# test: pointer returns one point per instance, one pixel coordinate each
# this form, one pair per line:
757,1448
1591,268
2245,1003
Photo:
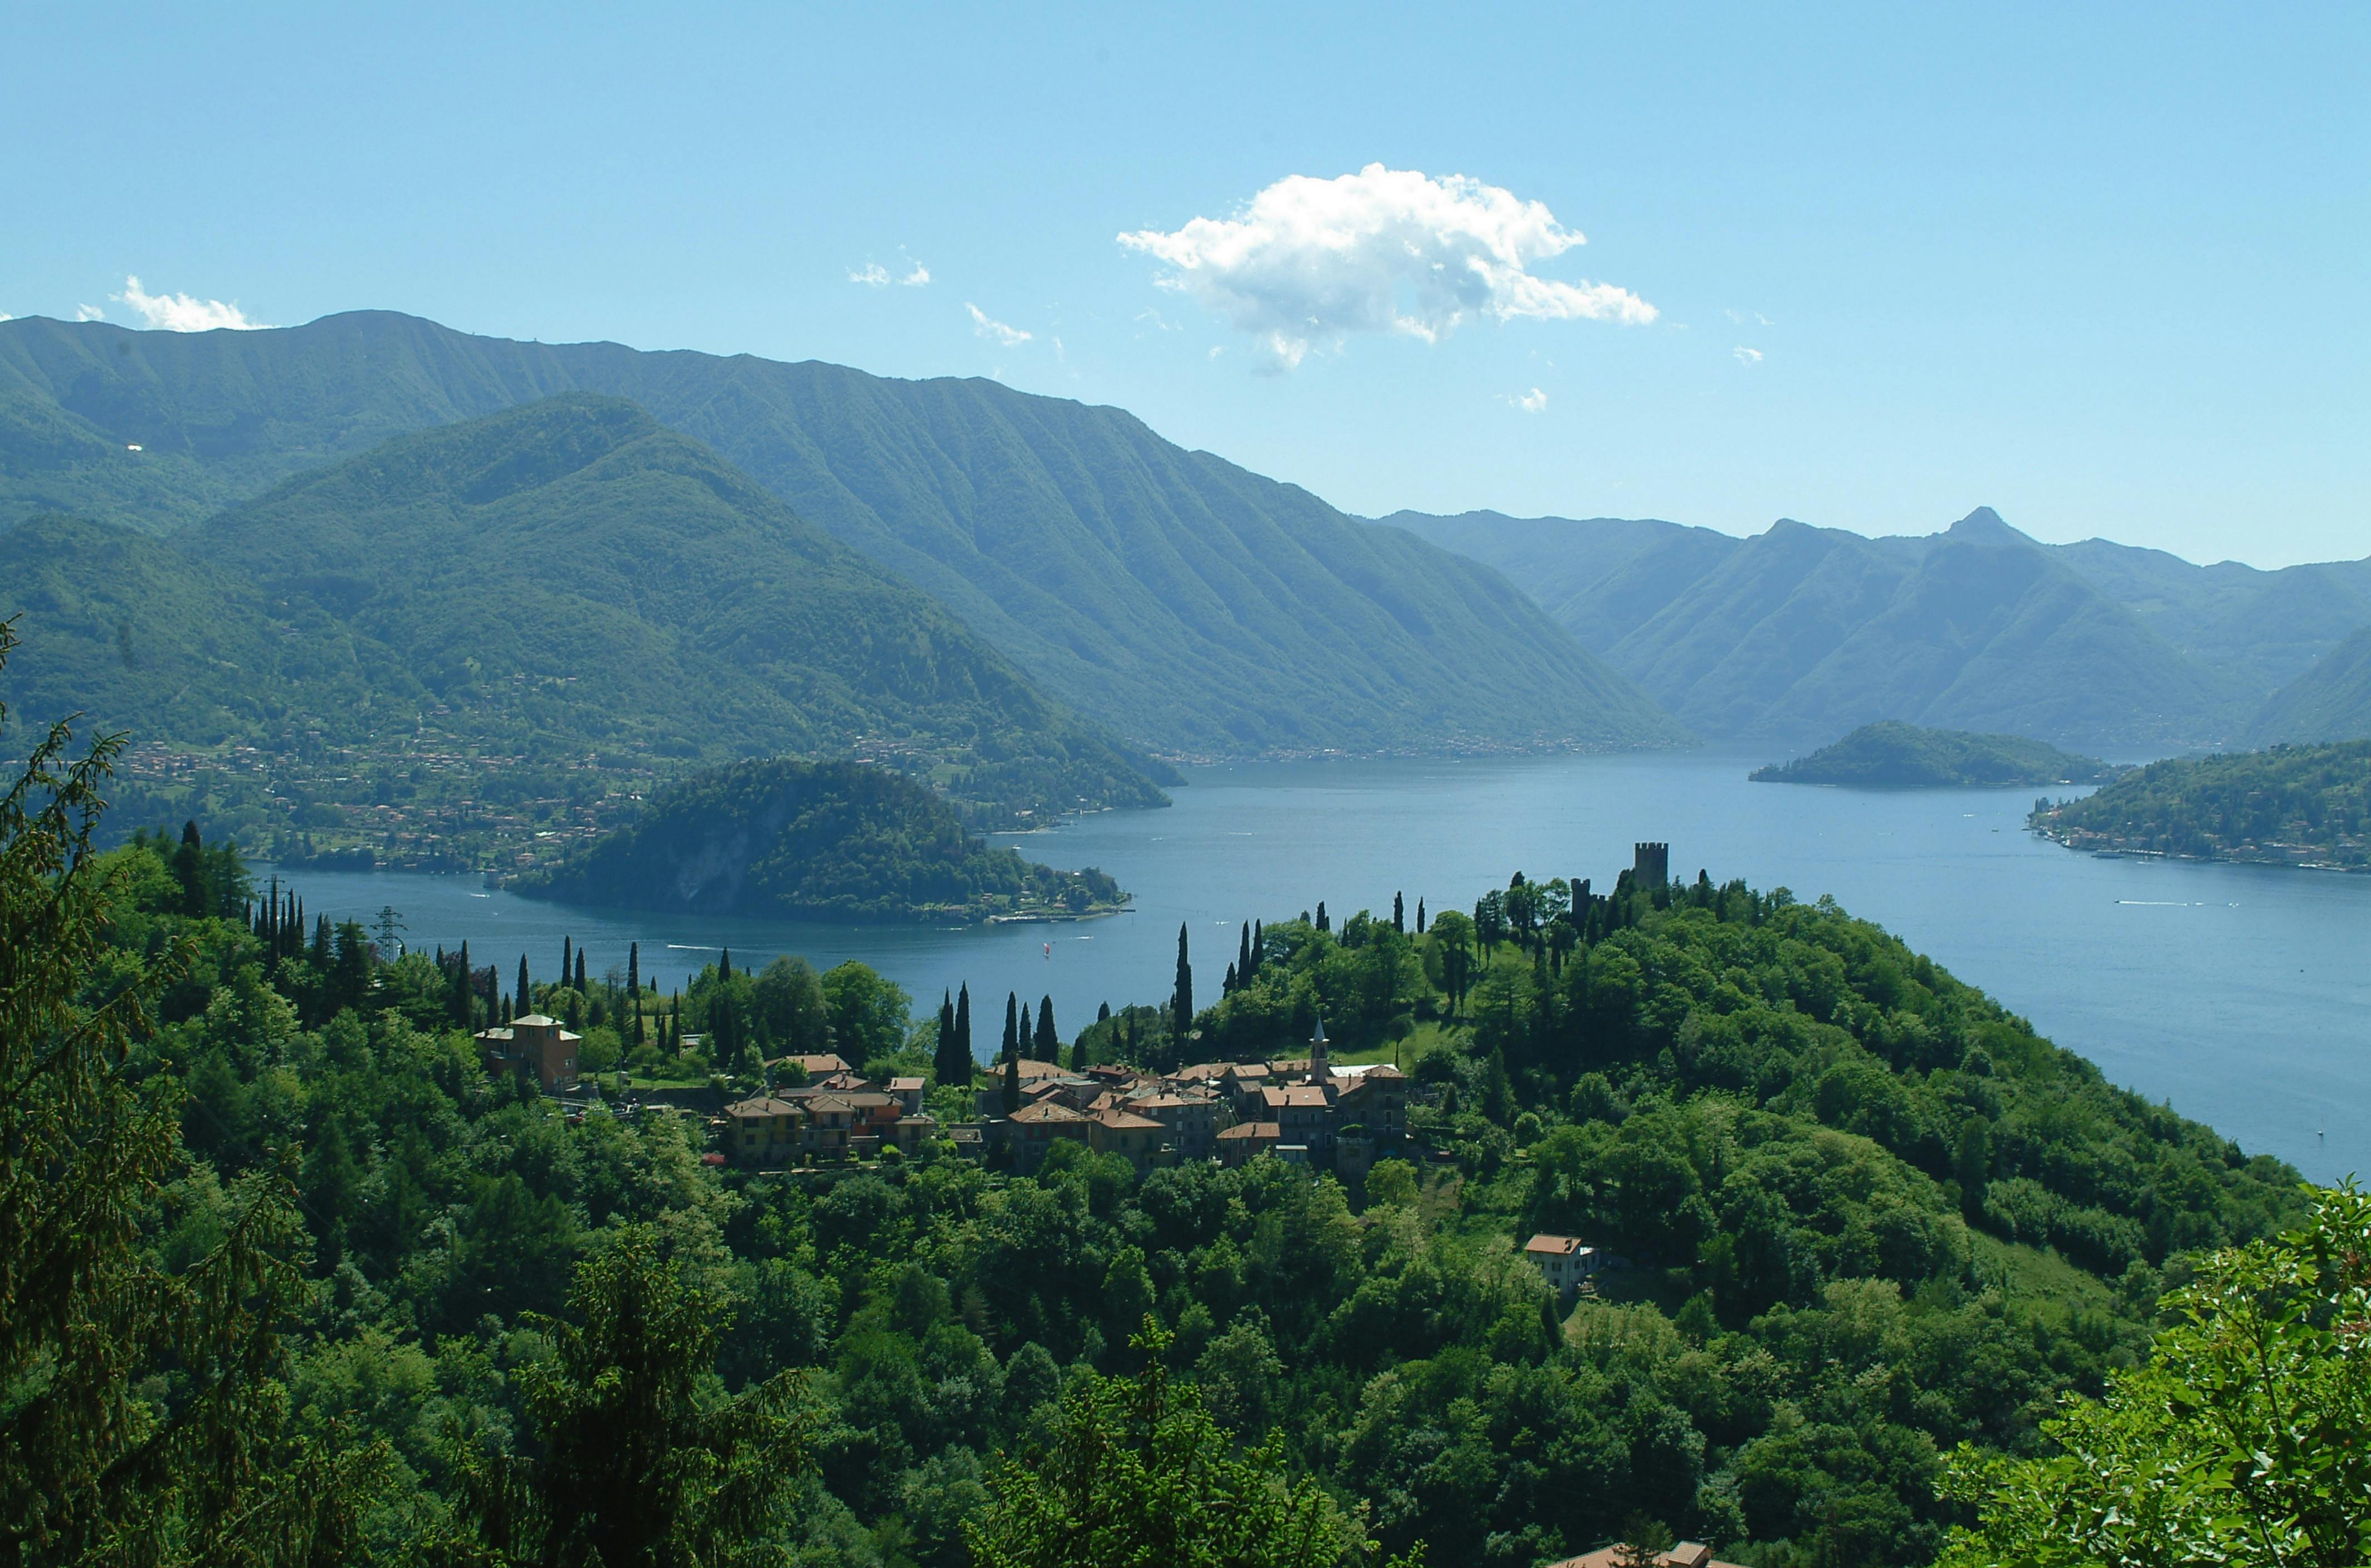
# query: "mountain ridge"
1194,607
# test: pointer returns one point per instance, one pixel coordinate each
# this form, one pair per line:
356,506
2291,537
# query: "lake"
2240,994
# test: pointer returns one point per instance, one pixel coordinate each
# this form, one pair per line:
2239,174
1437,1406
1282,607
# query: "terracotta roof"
1031,1068
1121,1120
899,1085
536,1021
1047,1111
1687,1554
765,1105
1253,1130
1554,1246
815,1064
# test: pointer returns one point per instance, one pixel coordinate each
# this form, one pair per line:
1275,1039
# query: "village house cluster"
836,1115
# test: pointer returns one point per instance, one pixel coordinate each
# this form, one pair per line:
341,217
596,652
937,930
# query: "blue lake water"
2240,994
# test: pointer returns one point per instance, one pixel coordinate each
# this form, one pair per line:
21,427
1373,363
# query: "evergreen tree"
1048,1045
95,1327
962,1028
1243,958
1259,946
319,955
1226,985
522,992
1399,914
1012,1046
1419,916
567,962
1181,1000
725,966
951,1064
1323,924
634,988
190,869
581,990
1103,1013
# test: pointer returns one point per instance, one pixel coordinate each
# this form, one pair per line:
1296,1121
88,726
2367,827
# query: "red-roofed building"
534,1045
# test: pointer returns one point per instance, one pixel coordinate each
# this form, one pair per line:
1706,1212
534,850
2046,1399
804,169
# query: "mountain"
2096,644
1196,608
567,581
1891,755
2284,806
2331,701
832,840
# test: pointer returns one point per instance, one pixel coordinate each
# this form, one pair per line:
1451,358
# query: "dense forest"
289,1278
1890,755
472,644
2288,805
836,840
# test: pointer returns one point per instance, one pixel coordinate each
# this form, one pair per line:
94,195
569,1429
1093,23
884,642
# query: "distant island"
2289,806
827,840
1890,755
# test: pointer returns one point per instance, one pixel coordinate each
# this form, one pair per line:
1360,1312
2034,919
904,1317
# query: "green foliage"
1190,605
1892,755
2242,1440
1140,1474
836,840
2287,805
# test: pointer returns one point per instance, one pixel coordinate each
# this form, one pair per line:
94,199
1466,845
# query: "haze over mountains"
1194,608
567,577
1800,634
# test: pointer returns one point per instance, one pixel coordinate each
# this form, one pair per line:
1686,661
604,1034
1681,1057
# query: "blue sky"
2102,267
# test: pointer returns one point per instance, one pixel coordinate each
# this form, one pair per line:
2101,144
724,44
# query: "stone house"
1139,1140
1031,1131
1245,1141
534,1045
764,1133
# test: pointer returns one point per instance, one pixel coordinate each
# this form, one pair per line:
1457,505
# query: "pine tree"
1181,1000
1399,914
1048,1045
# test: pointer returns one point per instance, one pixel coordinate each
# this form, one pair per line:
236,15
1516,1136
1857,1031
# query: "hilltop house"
534,1045
1563,1261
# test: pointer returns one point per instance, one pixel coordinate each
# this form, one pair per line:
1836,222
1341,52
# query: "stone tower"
1651,865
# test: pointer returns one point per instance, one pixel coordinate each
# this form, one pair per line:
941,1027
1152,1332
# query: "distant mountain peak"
1983,526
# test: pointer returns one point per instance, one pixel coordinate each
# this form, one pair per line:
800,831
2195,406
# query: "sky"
2102,267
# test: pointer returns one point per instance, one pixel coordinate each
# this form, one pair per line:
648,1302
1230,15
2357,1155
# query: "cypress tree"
1103,1014
943,1065
1181,1000
581,988
1419,917
1323,923
1399,914
1012,1046
1242,970
523,993
1259,946
725,966
567,960
962,1028
1048,1043
189,870
635,985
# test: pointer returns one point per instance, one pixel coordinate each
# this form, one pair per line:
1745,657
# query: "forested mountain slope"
2330,701
2305,805
1196,607
2095,644
568,580
1892,755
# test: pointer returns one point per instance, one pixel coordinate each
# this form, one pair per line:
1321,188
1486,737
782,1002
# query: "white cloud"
89,313
988,326
1533,402
1310,262
179,312
916,278
1747,356
872,275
